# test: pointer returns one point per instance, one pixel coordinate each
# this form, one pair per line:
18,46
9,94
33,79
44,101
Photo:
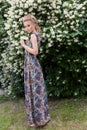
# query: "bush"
63,48
3,34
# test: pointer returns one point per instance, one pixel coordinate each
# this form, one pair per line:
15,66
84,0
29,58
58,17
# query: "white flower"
80,15
20,13
75,93
83,12
20,19
58,7
59,36
71,17
9,32
57,78
30,9
18,31
48,35
24,37
68,60
79,6
51,30
69,43
5,15
26,5
83,8
66,32
77,70
75,40
76,60
49,44
68,22
83,61
22,32
10,58
65,12
75,12
65,4
59,31
39,1
41,49
60,72
16,35
85,66
59,24
79,80
10,12
42,56
72,22
71,26
50,94
77,20
21,5
7,26
15,25
23,0
64,82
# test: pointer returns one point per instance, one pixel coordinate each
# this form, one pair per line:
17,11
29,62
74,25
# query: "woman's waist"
30,57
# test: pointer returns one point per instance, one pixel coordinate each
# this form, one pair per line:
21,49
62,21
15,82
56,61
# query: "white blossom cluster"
57,19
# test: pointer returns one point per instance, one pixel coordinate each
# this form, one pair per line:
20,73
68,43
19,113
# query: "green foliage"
65,65
63,48
3,34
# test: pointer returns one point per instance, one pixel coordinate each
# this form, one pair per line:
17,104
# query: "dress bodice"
28,55
28,43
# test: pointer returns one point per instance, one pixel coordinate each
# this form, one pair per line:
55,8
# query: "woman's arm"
34,49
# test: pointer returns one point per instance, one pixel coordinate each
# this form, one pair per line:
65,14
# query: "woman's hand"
22,42
34,49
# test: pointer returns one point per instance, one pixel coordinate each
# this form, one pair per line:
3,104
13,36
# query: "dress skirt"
35,92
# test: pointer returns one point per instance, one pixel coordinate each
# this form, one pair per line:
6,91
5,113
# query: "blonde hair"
31,18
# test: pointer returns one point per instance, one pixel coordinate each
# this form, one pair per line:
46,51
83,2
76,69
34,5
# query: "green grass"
66,114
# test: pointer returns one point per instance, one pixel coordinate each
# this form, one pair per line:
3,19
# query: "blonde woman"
34,84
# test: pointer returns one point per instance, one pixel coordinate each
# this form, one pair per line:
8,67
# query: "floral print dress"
35,89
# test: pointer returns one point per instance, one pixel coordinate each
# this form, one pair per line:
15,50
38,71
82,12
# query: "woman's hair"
31,18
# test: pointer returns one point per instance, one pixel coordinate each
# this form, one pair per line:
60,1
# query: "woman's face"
29,26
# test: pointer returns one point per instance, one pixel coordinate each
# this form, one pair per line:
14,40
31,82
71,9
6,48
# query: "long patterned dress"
35,91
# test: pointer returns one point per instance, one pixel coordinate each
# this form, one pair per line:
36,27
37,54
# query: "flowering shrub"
61,48
3,39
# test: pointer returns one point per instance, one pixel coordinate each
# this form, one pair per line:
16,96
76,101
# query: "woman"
34,84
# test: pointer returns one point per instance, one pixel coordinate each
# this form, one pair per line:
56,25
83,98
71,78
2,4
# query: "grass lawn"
66,114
